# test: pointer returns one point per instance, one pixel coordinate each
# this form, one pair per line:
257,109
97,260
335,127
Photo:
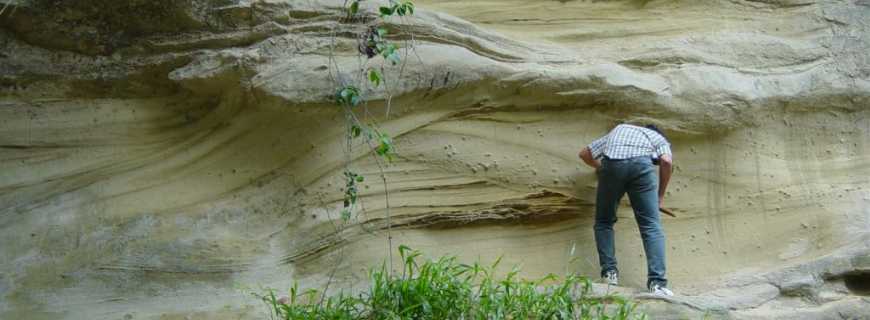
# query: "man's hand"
587,158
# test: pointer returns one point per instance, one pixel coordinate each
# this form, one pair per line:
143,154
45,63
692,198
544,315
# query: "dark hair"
657,130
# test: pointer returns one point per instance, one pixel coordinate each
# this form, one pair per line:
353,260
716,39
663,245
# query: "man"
628,154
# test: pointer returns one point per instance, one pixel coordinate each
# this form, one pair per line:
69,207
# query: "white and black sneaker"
660,290
611,277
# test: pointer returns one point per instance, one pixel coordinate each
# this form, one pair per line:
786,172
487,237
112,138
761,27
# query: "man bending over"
624,161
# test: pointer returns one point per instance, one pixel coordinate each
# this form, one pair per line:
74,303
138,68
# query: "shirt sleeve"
662,147
597,147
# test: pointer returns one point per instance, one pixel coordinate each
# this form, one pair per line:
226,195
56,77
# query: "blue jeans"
638,178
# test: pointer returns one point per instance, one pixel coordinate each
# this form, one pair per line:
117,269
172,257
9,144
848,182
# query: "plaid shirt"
628,141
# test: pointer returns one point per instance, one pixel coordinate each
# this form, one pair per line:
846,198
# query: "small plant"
385,146
348,96
400,8
352,9
351,95
372,42
445,289
350,193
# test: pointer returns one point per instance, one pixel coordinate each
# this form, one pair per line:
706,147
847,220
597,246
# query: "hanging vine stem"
372,42
369,141
332,66
6,5
349,96
403,9
402,68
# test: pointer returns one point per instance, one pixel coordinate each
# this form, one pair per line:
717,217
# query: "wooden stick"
668,212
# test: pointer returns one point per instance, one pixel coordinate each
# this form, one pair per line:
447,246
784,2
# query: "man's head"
657,130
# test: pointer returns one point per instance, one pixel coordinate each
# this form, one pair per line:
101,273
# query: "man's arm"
593,151
586,155
665,169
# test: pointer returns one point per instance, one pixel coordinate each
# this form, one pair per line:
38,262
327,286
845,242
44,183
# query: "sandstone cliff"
160,158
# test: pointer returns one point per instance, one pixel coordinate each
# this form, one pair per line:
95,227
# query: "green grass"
445,289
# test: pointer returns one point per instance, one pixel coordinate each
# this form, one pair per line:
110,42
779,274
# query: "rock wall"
162,159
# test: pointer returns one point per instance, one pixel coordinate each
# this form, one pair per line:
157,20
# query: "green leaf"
345,214
355,100
390,53
386,11
354,8
406,8
348,96
387,49
359,178
402,249
385,146
355,131
382,32
382,149
394,58
375,77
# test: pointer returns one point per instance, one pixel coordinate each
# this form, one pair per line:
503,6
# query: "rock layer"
161,160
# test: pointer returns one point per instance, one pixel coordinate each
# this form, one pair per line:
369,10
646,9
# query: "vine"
372,42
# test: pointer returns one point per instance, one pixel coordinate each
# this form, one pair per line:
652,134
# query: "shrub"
445,289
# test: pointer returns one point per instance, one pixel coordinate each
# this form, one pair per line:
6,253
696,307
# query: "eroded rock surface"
161,159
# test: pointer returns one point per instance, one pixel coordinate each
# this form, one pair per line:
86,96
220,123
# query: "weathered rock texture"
161,159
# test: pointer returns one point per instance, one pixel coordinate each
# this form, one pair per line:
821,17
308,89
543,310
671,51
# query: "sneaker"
661,291
611,277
